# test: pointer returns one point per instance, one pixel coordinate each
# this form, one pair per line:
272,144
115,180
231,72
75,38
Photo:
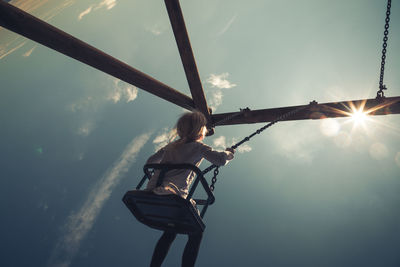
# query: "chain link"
214,179
382,87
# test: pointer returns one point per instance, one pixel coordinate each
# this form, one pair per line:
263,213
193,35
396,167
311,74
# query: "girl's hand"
230,150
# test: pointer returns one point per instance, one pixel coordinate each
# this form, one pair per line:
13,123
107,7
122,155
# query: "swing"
169,212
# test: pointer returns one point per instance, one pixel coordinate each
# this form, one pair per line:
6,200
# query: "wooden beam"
315,111
39,31
187,56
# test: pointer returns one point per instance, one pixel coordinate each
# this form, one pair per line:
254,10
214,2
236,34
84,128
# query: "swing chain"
282,117
214,179
247,138
382,87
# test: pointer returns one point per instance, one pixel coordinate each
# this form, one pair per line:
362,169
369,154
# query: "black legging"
189,254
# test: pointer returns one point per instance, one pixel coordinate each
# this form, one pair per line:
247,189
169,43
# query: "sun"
358,116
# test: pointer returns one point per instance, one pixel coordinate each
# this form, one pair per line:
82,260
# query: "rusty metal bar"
315,111
37,30
187,56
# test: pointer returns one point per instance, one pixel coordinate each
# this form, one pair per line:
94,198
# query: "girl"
191,129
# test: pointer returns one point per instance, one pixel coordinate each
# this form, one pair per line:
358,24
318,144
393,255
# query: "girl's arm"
216,157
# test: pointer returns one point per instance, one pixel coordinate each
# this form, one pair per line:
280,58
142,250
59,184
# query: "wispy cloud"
296,142
97,97
157,28
244,148
163,138
221,142
5,51
215,99
218,83
54,11
80,223
85,12
29,5
43,9
155,31
88,107
227,26
29,52
108,4
124,91
378,151
86,128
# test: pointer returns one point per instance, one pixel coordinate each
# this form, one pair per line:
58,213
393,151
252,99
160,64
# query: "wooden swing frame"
37,30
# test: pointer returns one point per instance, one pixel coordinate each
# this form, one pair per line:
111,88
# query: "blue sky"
305,193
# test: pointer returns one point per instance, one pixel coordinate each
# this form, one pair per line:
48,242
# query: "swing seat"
164,212
169,212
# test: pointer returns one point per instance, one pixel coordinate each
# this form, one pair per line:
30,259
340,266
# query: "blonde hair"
190,127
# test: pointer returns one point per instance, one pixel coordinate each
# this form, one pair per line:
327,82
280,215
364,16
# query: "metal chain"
382,87
282,117
247,138
214,179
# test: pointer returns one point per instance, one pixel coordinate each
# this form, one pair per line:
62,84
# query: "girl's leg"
191,250
161,249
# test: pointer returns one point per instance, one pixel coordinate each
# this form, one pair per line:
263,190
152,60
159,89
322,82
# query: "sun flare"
359,116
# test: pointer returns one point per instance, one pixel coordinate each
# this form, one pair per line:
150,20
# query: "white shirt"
179,181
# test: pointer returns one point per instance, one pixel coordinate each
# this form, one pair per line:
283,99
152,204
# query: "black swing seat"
164,212
169,212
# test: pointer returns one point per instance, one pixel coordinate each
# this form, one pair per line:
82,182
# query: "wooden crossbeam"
20,22
315,111
187,56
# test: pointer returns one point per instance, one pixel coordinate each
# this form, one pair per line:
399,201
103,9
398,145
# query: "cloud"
44,9
378,151
43,206
52,12
124,91
80,223
296,142
155,31
86,128
5,51
227,26
82,104
163,138
85,12
244,148
330,127
29,5
220,142
29,53
215,99
108,4
88,108
220,81
157,28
